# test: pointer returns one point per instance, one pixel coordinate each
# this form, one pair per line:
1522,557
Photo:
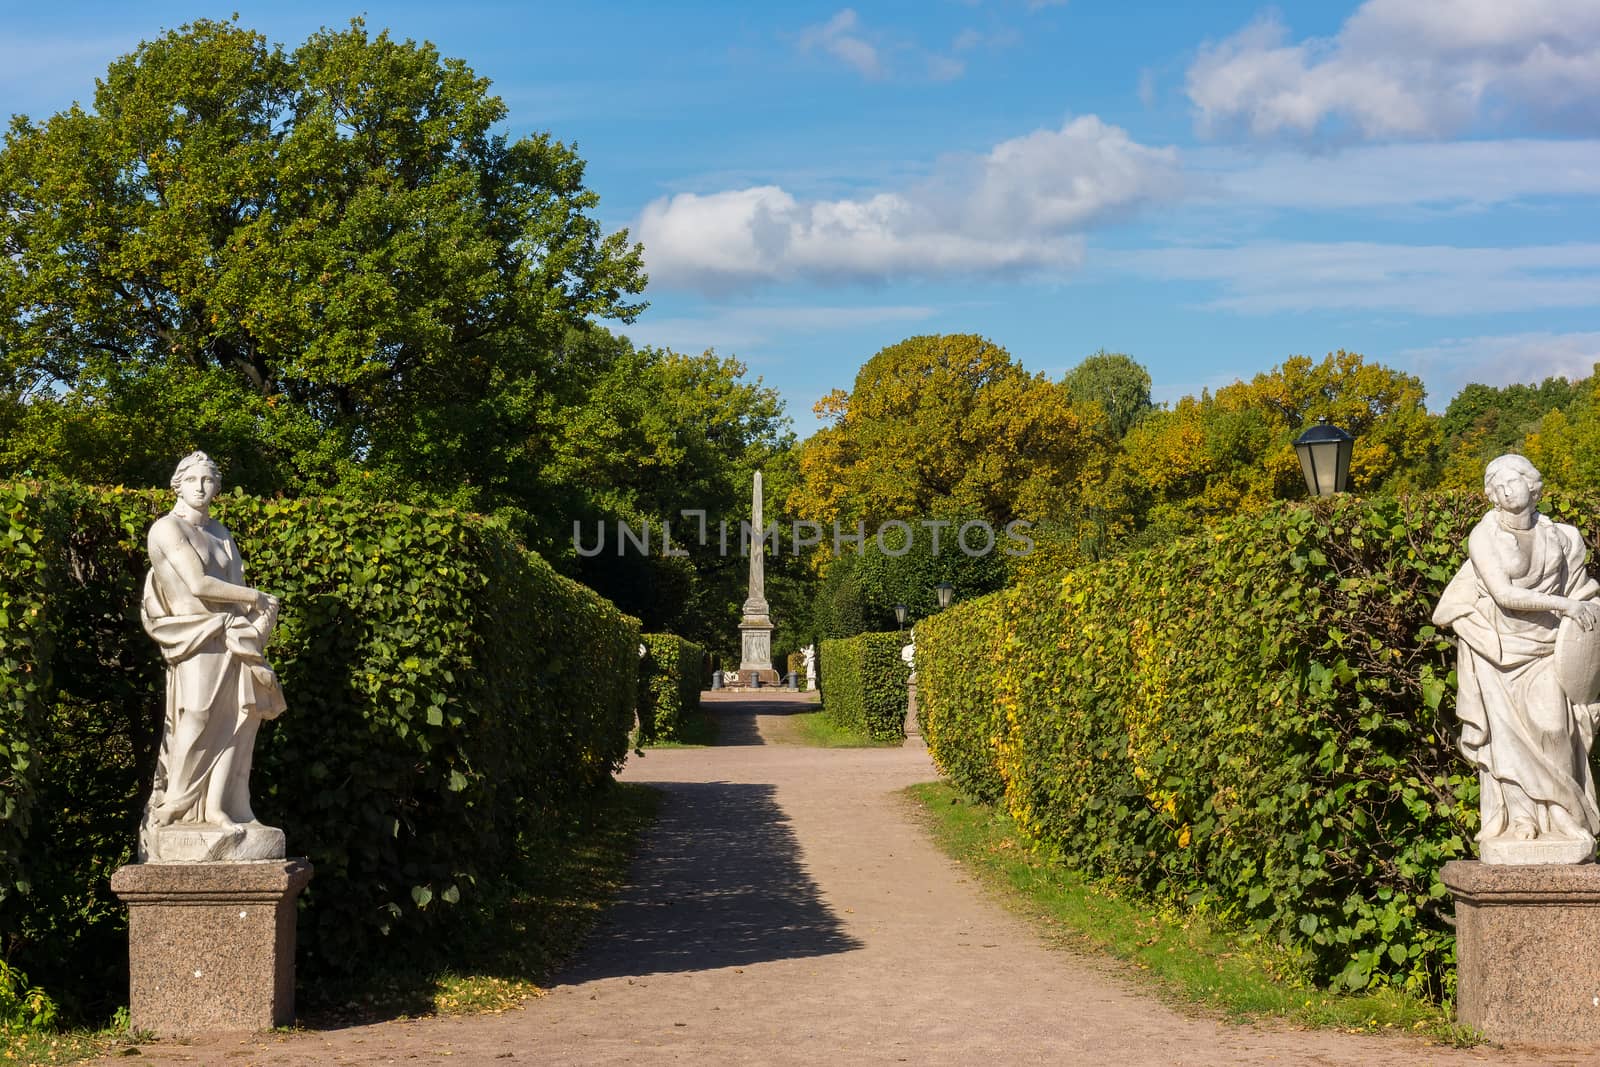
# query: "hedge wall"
669,685
446,691
1255,720
864,683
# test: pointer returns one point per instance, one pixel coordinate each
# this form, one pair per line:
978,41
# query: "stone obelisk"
755,630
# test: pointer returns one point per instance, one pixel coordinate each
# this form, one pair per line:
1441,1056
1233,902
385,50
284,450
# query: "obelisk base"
211,945
755,651
1527,949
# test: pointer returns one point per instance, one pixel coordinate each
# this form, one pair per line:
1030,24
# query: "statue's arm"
169,549
1492,570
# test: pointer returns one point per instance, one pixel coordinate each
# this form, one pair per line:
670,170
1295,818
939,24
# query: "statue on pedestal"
1524,613
212,630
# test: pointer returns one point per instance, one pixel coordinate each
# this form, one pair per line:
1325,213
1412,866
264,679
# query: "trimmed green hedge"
25,659
669,685
864,684
1256,720
447,691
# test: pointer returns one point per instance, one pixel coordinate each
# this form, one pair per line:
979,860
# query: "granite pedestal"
211,945
1527,949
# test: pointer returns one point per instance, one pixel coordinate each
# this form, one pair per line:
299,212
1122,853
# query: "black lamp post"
945,591
900,615
1325,458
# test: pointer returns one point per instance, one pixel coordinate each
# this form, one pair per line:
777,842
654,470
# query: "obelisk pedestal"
755,629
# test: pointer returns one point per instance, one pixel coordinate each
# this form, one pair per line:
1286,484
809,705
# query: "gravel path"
788,910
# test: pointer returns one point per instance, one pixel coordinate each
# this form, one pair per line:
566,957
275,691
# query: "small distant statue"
1523,610
810,655
212,629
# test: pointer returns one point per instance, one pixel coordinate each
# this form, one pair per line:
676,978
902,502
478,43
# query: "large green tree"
655,434
1117,383
325,264
947,424
1233,449
1484,421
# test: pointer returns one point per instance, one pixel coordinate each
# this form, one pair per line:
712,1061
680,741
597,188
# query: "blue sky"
1210,188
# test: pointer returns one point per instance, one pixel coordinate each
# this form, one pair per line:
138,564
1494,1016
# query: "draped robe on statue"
219,688
1529,743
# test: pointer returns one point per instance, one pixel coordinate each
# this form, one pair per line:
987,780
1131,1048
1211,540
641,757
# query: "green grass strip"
814,728
1192,959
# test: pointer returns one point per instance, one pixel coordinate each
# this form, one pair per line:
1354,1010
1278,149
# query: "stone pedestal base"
755,644
210,945
1509,850
204,843
913,727
1527,950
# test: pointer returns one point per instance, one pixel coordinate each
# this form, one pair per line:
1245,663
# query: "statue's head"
197,463
1504,470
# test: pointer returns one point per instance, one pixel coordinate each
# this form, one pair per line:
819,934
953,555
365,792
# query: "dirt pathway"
787,910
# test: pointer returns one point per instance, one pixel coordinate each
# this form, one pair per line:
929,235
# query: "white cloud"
996,40
876,56
945,68
1502,359
1020,207
1273,277
734,328
968,39
1147,87
1400,68
839,38
1470,174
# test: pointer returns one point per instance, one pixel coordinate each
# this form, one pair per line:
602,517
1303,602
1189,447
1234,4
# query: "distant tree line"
952,426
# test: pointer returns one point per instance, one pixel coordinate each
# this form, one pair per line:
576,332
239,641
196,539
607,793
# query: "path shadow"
736,719
718,883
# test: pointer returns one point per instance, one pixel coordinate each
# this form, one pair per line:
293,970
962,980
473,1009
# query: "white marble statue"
1526,724
212,629
810,654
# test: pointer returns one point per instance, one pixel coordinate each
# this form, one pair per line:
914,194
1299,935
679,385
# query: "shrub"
23,1007
447,691
1253,719
797,666
25,657
669,685
865,684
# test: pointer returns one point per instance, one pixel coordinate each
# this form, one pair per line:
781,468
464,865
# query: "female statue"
212,630
1527,736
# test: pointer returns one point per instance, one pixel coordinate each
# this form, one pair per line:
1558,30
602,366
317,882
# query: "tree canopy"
1219,453
946,423
328,268
330,249
1114,381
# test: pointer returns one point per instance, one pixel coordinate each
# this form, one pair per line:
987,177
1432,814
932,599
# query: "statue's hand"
1586,613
